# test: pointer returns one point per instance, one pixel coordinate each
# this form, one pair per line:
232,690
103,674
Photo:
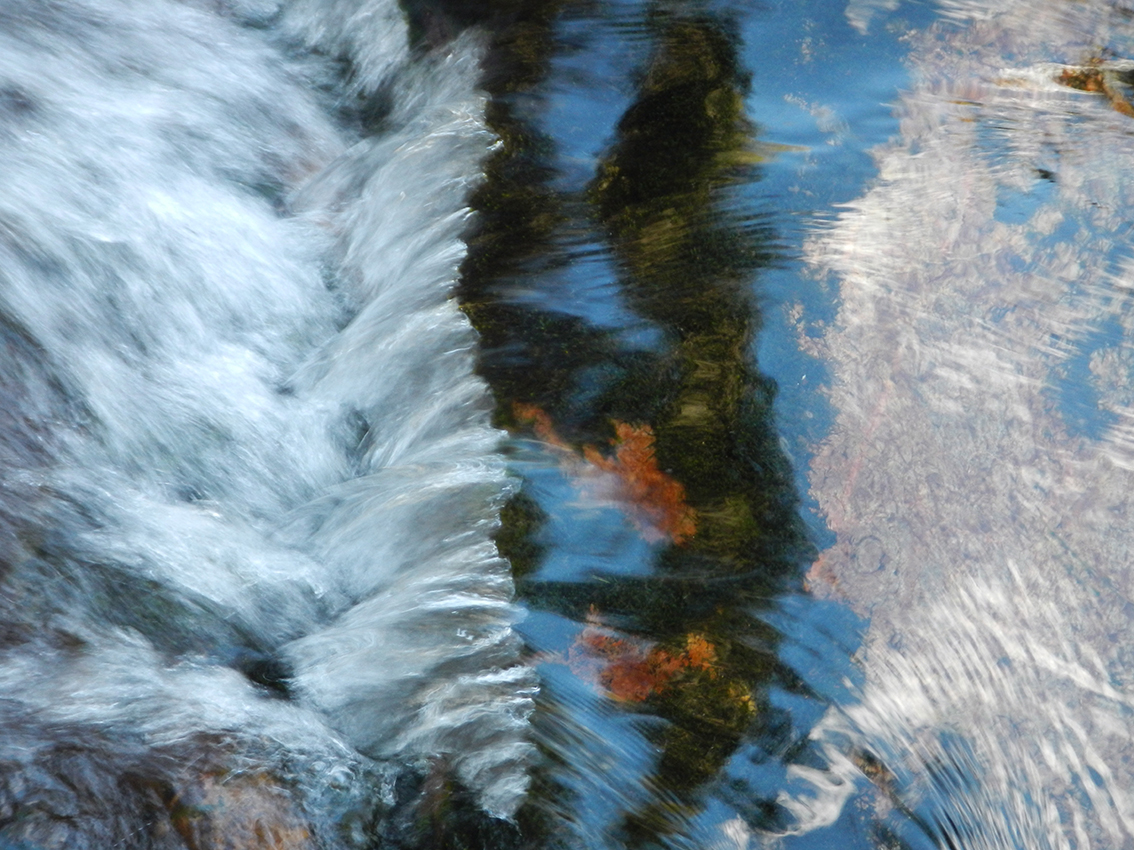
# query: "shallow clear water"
781,350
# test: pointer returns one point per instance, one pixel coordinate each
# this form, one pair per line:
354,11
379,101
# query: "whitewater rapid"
249,479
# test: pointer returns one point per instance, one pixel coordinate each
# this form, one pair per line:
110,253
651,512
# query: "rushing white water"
979,472
240,434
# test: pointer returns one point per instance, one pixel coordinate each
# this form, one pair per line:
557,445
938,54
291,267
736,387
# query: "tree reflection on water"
681,643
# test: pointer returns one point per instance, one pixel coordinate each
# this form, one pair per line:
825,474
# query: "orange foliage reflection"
632,669
656,499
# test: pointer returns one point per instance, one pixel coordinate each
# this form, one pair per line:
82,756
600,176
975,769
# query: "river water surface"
550,423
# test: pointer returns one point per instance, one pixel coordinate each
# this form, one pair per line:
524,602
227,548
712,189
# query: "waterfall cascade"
249,481
249,478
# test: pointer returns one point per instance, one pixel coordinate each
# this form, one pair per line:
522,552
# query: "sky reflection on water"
818,100
977,472
985,249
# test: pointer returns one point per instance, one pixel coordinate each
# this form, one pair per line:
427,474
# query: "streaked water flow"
249,473
565,424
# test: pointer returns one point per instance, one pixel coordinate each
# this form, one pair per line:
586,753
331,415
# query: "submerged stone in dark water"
266,670
433,810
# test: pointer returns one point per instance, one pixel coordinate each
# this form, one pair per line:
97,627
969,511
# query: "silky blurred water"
565,424
236,394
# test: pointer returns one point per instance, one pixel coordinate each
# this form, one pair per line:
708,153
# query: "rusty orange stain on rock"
238,812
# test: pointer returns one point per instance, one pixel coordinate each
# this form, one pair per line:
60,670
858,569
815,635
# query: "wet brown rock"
238,812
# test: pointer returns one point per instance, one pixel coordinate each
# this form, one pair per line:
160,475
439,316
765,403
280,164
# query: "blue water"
822,95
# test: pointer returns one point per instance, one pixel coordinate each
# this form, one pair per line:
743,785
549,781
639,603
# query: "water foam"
241,429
